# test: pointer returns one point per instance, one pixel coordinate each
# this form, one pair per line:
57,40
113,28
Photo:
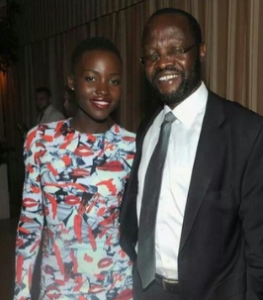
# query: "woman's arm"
30,224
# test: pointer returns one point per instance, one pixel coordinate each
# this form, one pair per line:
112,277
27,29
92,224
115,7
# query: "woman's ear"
71,82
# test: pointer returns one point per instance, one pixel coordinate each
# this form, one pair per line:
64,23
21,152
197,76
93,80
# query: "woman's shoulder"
123,139
44,132
124,133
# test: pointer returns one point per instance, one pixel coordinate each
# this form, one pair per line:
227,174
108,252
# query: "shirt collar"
48,109
191,107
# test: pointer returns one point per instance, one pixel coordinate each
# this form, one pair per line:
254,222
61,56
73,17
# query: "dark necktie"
151,192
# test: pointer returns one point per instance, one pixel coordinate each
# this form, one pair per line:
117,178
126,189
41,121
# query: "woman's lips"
102,104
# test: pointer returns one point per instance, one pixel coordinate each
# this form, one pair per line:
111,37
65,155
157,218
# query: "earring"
72,88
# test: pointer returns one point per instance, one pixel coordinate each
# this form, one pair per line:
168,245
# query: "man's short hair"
44,90
193,23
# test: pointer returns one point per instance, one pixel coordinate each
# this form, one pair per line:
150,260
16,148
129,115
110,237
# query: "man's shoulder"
53,109
150,116
234,111
52,114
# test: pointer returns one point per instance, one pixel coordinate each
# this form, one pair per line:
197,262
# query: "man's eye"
174,51
152,57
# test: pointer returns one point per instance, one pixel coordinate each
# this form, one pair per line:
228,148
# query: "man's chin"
171,98
177,96
168,94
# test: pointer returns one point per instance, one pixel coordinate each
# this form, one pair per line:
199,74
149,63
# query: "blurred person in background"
47,112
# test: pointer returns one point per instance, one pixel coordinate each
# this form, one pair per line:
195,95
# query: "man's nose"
164,61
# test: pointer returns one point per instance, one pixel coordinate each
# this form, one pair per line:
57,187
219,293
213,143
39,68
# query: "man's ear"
71,82
202,51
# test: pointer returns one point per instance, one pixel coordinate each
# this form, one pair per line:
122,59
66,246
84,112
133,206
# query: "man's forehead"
165,21
171,26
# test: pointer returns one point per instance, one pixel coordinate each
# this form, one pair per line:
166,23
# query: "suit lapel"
211,143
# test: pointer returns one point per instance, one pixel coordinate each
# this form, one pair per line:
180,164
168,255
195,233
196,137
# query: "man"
47,112
202,239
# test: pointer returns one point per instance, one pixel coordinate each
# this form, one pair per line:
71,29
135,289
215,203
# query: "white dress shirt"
177,174
50,114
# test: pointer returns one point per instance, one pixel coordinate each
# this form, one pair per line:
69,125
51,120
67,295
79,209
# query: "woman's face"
97,83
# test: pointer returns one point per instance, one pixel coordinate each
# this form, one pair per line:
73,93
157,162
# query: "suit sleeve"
251,214
30,224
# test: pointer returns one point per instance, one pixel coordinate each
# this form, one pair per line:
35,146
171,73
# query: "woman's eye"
115,81
89,78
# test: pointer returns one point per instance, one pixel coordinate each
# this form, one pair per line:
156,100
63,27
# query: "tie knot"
169,117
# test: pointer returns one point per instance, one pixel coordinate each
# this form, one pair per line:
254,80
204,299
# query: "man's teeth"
167,77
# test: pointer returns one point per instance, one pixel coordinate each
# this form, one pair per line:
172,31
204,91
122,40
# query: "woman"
76,171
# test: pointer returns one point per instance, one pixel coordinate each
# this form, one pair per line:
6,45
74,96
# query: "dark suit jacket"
221,247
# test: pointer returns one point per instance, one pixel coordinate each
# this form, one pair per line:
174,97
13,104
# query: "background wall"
49,31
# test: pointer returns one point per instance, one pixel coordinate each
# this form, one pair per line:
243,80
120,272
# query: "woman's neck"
86,125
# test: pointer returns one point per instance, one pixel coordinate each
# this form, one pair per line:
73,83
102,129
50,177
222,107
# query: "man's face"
42,101
173,74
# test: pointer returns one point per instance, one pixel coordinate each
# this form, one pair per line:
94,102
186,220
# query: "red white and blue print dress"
74,182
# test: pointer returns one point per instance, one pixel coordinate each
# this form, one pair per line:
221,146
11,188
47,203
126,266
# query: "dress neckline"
72,129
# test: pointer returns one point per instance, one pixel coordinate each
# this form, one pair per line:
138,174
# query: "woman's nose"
102,89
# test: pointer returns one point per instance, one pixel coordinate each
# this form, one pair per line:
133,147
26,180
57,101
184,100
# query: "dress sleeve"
31,220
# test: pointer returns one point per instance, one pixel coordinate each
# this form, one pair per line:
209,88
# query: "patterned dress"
74,185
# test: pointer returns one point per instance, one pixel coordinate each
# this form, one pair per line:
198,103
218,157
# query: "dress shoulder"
123,132
44,133
123,136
